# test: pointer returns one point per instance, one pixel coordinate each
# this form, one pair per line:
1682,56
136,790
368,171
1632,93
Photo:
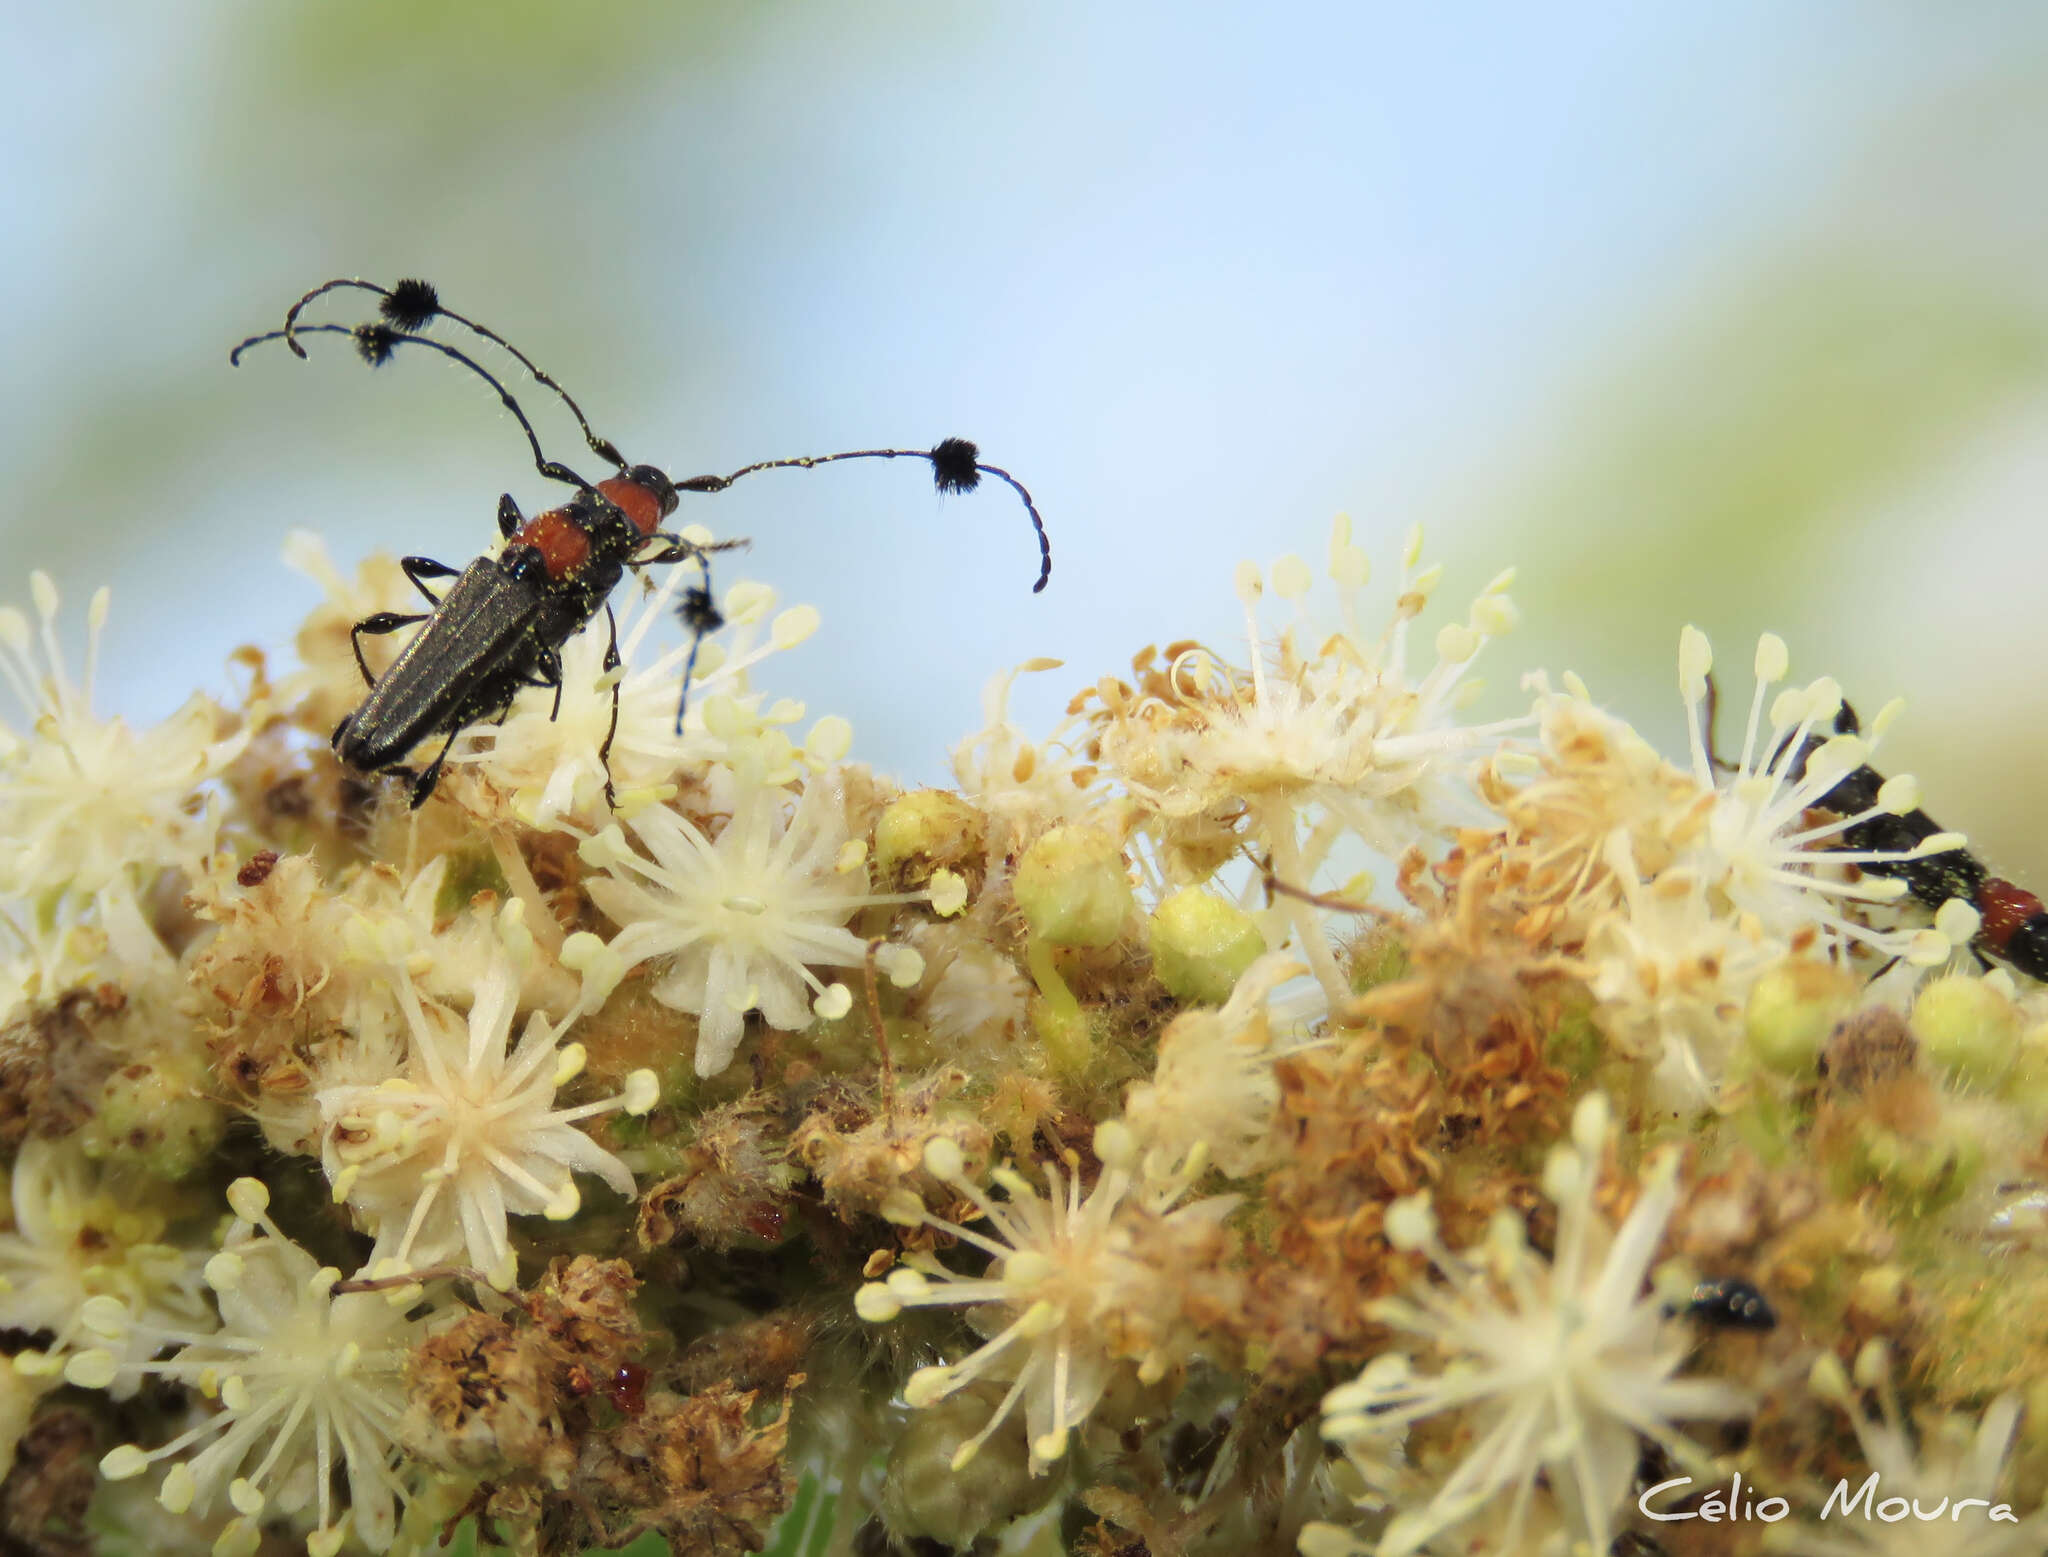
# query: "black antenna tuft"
956,465
698,612
375,343
411,305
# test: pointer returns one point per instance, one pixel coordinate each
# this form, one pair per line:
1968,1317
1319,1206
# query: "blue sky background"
1717,313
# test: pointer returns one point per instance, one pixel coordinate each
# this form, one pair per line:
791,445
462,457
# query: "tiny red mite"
627,1388
258,870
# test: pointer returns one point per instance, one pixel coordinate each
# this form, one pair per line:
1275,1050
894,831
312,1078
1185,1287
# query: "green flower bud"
2026,1084
1072,887
1792,1009
1880,1296
1921,1176
932,1492
157,1120
1063,1033
1968,1028
924,830
1200,944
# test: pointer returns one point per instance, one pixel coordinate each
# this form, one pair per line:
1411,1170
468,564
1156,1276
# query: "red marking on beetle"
563,544
634,501
2005,908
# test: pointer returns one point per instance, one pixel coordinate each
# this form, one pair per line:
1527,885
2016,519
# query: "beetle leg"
550,662
420,569
382,622
676,549
611,663
423,786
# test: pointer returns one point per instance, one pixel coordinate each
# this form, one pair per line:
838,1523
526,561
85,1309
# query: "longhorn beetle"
501,626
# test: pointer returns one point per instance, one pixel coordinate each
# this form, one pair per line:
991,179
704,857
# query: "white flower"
88,806
1075,1291
1328,735
1591,786
741,919
1213,1093
977,1000
1946,1461
437,1157
41,961
1028,789
302,1378
74,1240
1752,846
18,1396
1559,1363
1332,719
1671,970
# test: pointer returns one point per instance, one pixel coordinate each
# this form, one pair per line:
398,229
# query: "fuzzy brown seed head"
707,1472
734,1182
44,1497
863,1157
53,1060
484,1399
1869,1049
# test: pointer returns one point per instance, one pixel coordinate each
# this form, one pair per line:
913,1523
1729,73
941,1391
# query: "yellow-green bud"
157,1120
923,830
1792,1009
931,1492
2034,1420
2027,1082
1879,1295
1921,1174
1967,1027
1200,944
1072,887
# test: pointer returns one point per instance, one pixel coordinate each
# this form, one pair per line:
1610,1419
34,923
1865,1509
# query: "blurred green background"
1732,314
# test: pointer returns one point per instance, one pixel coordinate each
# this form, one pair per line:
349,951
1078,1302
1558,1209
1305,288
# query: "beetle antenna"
698,611
410,307
956,464
376,342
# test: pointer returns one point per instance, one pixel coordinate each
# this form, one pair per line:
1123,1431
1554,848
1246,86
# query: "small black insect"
1730,1305
501,625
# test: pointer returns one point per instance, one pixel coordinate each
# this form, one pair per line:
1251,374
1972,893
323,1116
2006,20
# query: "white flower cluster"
437,1016
1558,1364
1683,887
374,1020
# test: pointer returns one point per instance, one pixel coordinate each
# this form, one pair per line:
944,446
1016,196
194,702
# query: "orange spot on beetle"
563,544
2005,908
634,501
